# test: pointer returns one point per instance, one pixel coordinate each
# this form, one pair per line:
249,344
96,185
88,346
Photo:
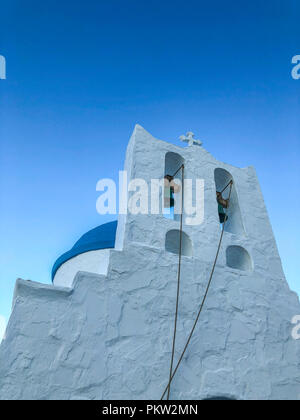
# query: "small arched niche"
173,243
234,222
238,258
173,163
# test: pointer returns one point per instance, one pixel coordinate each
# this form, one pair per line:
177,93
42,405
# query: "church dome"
101,237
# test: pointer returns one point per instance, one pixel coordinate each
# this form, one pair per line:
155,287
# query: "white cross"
189,138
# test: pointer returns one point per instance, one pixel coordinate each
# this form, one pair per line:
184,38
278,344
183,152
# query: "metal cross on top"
189,138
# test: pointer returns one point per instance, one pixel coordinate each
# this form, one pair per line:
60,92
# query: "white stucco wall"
92,261
110,336
2,327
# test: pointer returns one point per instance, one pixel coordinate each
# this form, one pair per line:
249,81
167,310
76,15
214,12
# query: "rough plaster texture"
109,337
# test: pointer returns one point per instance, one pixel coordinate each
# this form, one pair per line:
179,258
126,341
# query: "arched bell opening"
232,213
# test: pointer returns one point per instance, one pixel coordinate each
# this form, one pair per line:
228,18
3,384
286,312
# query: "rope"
203,300
181,167
178,279
226,186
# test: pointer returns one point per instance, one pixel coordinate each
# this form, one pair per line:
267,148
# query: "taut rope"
202,303
178,279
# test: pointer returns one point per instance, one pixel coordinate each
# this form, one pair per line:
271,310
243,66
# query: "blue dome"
101,237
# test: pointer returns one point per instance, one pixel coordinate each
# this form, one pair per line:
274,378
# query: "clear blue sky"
80,74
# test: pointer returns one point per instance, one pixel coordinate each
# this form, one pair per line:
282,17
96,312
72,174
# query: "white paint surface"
2,327
92,261
110,336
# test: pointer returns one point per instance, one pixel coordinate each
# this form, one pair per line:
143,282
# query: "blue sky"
80,75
